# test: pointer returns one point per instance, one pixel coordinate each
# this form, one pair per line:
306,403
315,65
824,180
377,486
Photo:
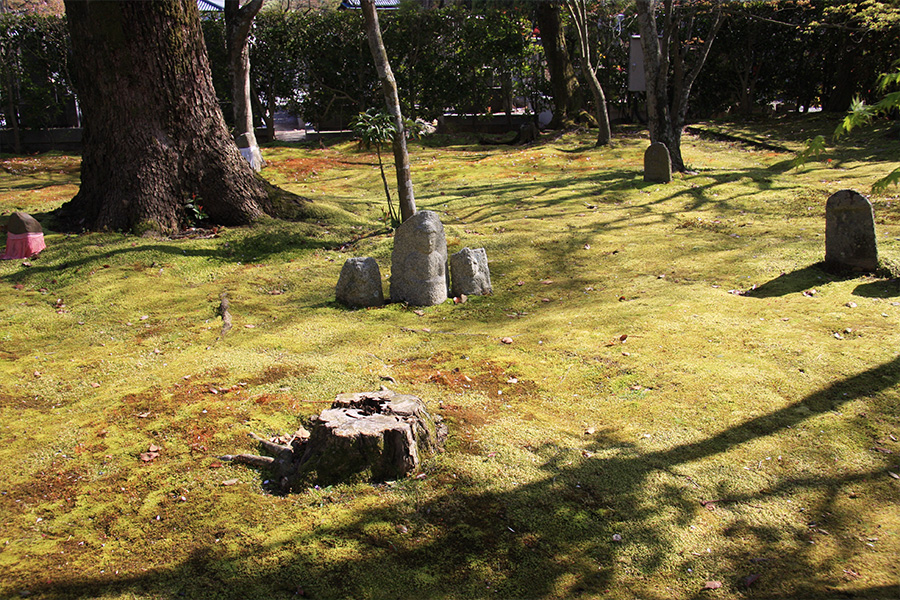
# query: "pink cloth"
23,245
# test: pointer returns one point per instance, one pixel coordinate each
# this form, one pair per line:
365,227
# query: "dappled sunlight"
664,397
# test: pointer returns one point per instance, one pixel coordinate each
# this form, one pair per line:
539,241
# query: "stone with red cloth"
24,236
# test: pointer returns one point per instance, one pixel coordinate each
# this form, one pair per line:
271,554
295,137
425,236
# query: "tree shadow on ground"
576,532
796,281
254,247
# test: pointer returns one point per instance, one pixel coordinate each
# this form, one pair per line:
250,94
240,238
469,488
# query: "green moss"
560,441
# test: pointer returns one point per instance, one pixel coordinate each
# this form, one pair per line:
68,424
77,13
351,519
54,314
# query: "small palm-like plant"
375,128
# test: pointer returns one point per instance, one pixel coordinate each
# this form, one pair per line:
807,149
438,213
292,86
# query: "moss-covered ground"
690,407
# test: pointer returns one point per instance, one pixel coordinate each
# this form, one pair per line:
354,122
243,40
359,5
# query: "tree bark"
666,120
578,10
392,99
154,137
562,75
238,20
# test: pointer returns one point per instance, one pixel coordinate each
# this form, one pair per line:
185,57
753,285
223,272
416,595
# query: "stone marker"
850,232
359,285
24,236
469,273
419,261
657,164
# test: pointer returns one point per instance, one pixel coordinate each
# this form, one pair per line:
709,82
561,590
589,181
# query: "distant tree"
238,20
563,83
672,61
406,200
154,137
579,11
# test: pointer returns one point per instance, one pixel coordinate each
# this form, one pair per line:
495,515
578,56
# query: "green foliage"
862,114
374,129
34,76
813,150
443,59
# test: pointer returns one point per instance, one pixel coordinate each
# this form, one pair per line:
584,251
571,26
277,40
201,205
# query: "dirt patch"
303,168
486,377
53,485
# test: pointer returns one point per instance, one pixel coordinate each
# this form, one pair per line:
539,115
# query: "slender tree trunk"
578,10
666,120
562,75
154,137
238,20
392,99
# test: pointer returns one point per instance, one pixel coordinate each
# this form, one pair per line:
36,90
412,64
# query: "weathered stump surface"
369,436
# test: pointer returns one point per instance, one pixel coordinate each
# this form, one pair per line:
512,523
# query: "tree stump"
368,436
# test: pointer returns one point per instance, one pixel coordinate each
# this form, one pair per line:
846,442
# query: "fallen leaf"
894,475
750,579
249,326
143,415
520,283
154,448
590,431
623,337
546,281
149,456
712,585
230,482
95,385
215,465
506,340
18,286
421,313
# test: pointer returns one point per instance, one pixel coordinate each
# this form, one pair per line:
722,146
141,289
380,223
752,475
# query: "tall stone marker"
850,233
469,273
657,164
419,261
359,285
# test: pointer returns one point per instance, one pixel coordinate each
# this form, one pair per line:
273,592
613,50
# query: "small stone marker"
469,273
419,261
850,232
657,164
24,237
359,285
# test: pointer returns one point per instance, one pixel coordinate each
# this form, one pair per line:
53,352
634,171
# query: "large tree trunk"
154,137
392,99
238,20
563,83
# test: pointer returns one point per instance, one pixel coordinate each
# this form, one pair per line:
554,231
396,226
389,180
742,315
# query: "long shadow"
583,527
796,281
255,247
